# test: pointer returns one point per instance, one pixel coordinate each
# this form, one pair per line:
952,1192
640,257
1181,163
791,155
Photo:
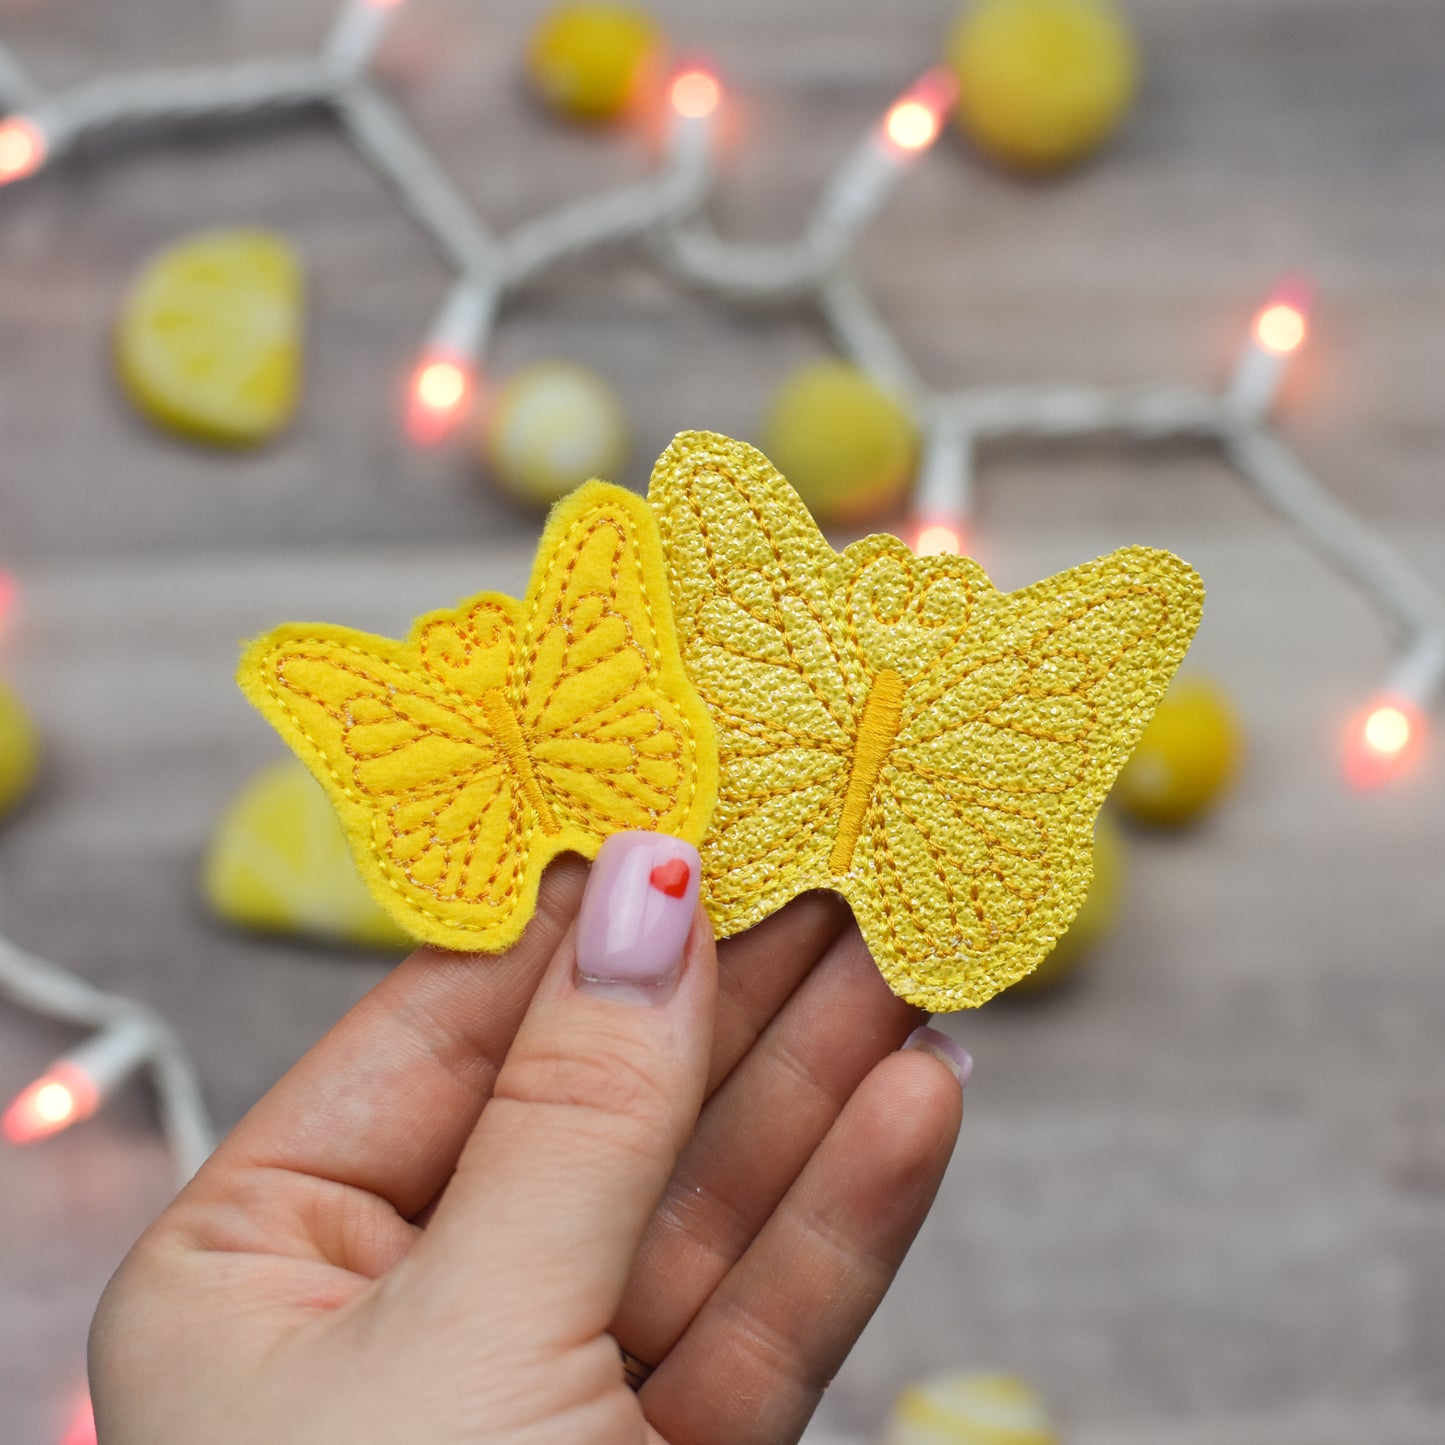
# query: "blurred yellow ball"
590,62
1187,759
208,341
967,1409
552,427
19,750
847,446
1096,915
1041,82
279,863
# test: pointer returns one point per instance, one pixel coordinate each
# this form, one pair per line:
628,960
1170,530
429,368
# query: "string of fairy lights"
665,213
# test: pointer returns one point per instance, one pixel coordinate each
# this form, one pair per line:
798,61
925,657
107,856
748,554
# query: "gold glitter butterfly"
895,728
500,733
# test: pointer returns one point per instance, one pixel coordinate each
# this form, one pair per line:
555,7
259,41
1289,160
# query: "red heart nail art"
671,877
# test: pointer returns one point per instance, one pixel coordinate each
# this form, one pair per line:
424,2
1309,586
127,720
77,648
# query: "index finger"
386,1099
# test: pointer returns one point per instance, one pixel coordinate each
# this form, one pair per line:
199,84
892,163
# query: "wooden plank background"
1201,1196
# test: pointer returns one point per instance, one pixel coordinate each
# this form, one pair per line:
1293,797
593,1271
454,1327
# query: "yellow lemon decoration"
847,446
501,733
1187,759
1096,914
550,428
278,862
208,342
1041,82
969,1409
591,62
897,730
19,750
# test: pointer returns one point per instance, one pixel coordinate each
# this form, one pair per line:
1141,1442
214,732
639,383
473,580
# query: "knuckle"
607,1087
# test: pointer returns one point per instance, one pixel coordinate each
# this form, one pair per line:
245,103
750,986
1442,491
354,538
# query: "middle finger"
754,1137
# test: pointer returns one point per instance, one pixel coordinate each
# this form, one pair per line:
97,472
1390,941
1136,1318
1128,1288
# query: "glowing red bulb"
938,538
911,125
695,93
1384,742
9,591
441,388
82,1427
1387,730
55,1101
22,149
1283,321
914,121
1280,329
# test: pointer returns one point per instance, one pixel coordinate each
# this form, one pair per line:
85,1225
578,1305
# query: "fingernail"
636,914
954,1056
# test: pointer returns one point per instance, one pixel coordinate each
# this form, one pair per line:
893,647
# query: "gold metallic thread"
963,737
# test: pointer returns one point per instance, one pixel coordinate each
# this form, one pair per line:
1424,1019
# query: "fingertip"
559,894
910,1111
638,917
948,1051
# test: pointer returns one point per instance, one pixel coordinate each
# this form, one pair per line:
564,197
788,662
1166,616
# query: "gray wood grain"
1201,1196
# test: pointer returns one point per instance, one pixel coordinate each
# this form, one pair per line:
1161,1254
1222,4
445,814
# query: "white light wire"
17,90
45,989
664,211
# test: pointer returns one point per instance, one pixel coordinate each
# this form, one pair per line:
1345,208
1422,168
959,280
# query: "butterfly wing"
616,734
396,735
975,852
500,734
762,643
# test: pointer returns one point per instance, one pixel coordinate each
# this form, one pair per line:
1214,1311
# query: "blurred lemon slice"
208,342
970,1409
279,863
19,750
1188,758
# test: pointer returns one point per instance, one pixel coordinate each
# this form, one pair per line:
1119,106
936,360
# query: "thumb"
592,1106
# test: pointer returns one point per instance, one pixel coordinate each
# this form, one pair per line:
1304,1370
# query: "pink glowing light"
1282,324
22,149
695,93
56,1100
1384,742
915,119
437,401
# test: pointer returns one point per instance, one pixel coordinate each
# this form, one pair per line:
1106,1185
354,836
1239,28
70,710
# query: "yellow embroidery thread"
508,732
501,733
877,731
895,728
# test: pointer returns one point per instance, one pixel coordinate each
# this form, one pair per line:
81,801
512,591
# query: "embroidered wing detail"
895,728
764,648
977,849
499,734
431,808
616,734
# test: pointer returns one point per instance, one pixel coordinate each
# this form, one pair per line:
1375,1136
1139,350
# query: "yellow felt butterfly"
895,728
499,733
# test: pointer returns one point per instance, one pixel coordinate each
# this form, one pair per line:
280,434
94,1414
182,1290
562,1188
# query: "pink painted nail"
636,914
934,1041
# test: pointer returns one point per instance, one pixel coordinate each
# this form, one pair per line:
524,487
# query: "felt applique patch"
501,733
896,729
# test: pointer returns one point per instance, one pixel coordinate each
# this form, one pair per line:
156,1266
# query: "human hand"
442,1224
